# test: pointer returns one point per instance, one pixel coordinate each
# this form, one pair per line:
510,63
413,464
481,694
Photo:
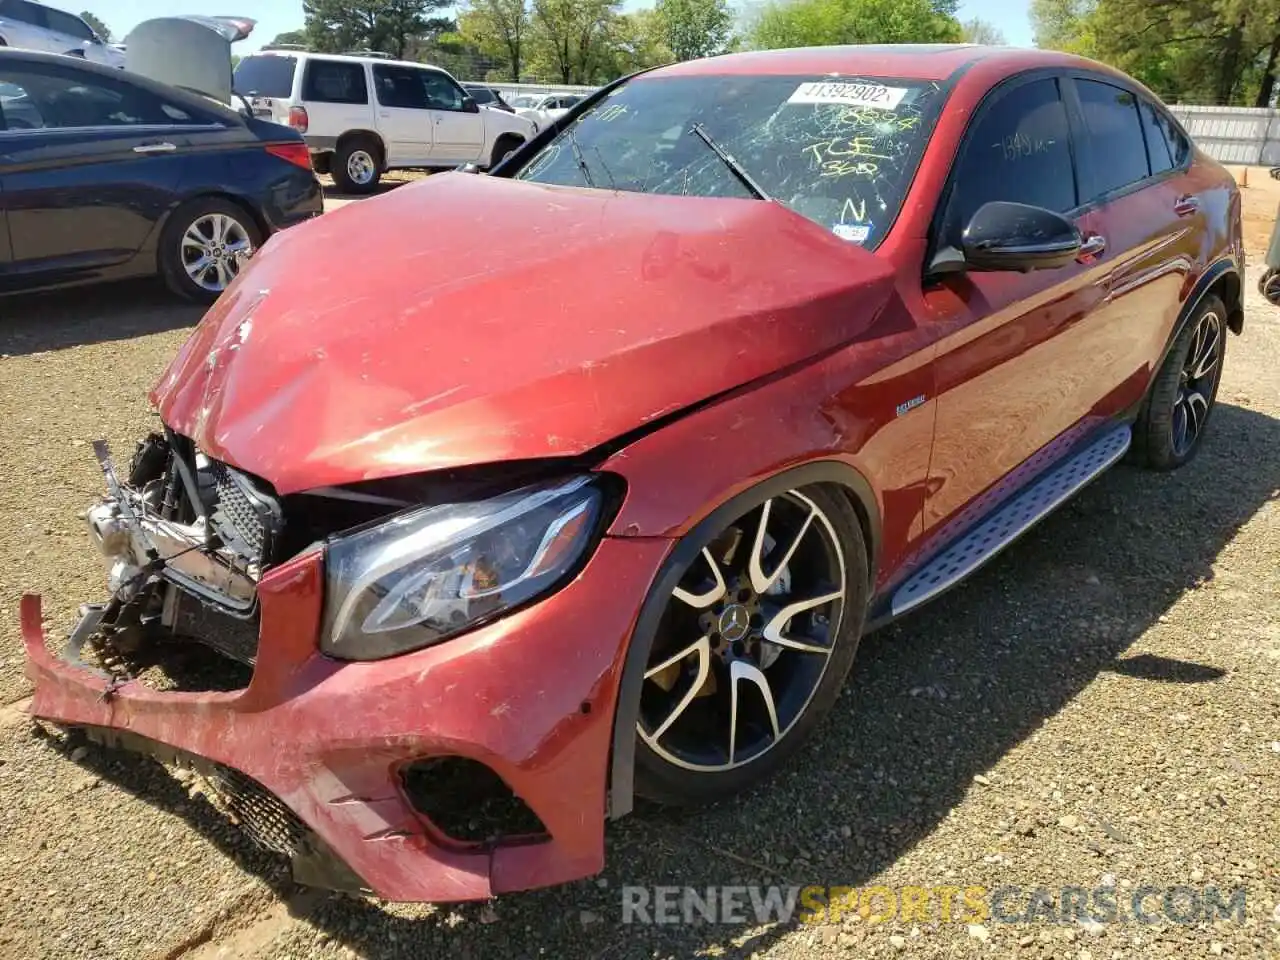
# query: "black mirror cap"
1017,236
469,105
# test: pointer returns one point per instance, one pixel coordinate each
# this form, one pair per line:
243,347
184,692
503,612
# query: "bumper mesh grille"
260,813
235,510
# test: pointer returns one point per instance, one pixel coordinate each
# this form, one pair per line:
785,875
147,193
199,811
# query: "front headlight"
429,574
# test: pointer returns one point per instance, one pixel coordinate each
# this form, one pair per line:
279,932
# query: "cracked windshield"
838,151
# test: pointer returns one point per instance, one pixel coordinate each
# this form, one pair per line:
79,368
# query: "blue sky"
277,16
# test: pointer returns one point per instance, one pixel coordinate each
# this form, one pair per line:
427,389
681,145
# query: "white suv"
364,115
33,26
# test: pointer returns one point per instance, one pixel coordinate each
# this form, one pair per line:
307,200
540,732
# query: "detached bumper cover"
531,696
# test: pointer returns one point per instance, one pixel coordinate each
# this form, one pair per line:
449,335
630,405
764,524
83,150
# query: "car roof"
10,55
922,61
348,57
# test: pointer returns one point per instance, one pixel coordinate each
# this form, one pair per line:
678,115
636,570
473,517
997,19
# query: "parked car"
35,26
365,115
487,97
544,109
583,479
106,174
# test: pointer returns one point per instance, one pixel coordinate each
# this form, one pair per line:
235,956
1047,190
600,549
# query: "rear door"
266,80
1142,201
458,134
88,166
69,31
23,25
404,118
1015,362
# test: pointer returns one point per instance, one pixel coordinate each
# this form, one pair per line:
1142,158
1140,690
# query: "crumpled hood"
470,319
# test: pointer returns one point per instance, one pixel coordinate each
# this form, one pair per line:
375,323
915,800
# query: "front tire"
506,145
1173,420
753,647
205,245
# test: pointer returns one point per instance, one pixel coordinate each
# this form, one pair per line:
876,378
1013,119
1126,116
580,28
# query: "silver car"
34,26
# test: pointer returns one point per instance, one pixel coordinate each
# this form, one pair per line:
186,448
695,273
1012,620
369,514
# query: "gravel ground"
1098,707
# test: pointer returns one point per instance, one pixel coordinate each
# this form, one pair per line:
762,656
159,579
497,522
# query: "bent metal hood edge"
469,319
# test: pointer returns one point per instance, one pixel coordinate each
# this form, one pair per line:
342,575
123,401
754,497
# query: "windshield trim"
520,160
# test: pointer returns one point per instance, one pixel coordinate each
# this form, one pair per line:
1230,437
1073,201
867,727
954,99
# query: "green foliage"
572,37
694,28
982,31
96,25
389,26
806,23
499,29
290,37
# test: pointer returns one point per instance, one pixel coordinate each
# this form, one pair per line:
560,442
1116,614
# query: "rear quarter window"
265,76
335,81
1113,137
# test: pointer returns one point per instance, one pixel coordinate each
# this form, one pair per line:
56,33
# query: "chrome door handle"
1091,247
165,147
1185,206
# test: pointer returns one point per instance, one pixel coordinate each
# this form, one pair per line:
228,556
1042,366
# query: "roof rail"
285,46
376,54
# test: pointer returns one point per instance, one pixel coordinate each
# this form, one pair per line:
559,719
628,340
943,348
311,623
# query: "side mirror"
469,105
1017,236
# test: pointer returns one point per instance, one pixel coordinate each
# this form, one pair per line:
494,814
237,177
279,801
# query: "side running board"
1010,521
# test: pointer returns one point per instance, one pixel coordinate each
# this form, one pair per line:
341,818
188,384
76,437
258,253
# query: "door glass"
1157,147
399,87
333,81
1113,137
52,101
72,26
1179,146
1019,151
440,91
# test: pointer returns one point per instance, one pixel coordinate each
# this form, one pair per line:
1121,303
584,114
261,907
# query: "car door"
1146,209
1014,359
404,119
458,134
88,165
71,33
22,25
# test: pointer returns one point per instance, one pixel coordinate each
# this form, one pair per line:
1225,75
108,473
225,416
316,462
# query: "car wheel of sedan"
1173,421
356,167
752,647
205,245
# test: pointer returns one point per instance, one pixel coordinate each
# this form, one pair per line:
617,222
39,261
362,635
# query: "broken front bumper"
531,697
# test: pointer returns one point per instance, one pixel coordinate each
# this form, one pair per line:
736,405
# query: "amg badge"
910,404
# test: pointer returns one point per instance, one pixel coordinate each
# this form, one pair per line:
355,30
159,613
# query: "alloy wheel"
745,639
1197,382
214,249
360,167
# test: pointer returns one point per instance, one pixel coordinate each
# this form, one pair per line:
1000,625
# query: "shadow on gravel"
934,701
58,319
331,192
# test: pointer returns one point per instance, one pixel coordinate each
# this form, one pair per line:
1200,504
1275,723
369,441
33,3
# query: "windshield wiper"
579,158
734,167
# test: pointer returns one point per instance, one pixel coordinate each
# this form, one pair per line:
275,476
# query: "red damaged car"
582,480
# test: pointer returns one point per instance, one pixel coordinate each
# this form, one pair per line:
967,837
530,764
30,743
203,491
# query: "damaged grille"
256,810
245,518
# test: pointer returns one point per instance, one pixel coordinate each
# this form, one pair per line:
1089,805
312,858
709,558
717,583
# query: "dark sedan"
106,174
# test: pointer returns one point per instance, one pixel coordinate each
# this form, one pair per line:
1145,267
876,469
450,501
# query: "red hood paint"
469,319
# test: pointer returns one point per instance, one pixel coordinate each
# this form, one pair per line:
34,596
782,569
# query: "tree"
1061,24
388,26
804,23
572,36
694,28
983,32
499,28
96,25
290,38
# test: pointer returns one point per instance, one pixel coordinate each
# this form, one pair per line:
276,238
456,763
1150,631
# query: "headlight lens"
426,575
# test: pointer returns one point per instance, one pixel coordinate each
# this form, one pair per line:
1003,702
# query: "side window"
65,101
441,92
1113,137
1157,146
399,87
1179,145
333,81
23,12
1018,150
66,23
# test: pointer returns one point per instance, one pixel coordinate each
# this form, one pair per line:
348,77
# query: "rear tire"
793,568
357,166
1176,413
208,231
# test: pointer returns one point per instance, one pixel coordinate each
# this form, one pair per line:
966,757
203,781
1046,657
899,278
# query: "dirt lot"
1101,706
